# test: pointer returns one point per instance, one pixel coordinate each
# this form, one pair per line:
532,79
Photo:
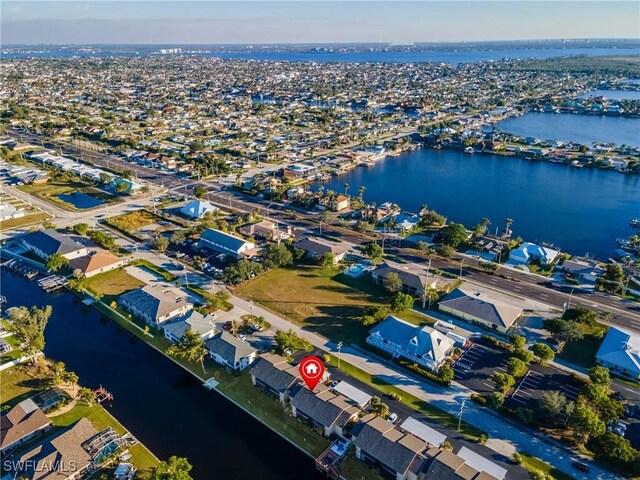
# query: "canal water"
579,210
613,94
584,129
164,407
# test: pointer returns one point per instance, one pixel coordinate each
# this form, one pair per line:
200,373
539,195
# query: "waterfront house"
156,303
45,243
193,320
480,307
528,252
225,243
402,222
20,424
230,351
299,170
322,409
620,352
275,375
99,261
266,229
581,269
316,247
336,203
425,346
380,443
445,465
197,208
64,456
415,279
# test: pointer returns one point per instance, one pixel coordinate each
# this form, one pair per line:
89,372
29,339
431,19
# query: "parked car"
256,328
228,325
392,418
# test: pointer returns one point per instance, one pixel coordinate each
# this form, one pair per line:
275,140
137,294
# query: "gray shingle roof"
323,406
482,306
192,320
231,348
274,372
390,447
319,246
156,300
50,242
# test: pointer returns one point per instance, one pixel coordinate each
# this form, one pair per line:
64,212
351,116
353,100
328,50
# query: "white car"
392,418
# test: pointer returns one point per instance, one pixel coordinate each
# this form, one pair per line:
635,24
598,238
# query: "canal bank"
579,210
165,407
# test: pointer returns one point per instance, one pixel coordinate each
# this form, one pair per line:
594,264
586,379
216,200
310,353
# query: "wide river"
584,129
164,407
579,210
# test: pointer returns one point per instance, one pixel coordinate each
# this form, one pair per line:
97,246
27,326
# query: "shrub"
516,367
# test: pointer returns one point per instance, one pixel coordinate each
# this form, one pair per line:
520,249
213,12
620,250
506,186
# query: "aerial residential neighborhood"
295,248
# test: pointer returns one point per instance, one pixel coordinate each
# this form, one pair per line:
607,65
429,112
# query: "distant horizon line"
386,43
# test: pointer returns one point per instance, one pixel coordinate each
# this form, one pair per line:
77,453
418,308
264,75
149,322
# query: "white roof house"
481,463
620,352
527,252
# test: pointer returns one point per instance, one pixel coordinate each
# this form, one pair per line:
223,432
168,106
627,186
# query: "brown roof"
52,458
20,422
89,263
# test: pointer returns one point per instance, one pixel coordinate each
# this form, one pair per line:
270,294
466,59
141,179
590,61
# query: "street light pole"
461,265
339,346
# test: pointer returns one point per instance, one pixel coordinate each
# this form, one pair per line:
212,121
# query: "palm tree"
361,191
508,222
430,295
190,348
86,395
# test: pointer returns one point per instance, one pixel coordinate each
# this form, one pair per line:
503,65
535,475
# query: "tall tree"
28,327
55,262
190,348
392,282
176,468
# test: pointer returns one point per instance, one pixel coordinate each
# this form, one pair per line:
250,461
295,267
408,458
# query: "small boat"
468,150
635,223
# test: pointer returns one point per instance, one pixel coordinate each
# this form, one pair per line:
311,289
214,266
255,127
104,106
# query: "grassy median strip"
469,431
533,464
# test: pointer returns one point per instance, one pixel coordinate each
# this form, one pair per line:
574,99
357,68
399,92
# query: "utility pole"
461,265
460,414
339,347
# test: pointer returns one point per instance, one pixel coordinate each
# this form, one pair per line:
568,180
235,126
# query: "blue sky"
185,22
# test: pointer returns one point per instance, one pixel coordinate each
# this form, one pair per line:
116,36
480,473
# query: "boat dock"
52,283
19,268
101,394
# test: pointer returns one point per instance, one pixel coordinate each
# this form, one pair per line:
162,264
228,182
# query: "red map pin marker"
311,370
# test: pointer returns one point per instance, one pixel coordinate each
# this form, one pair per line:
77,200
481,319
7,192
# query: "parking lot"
541,379
477,365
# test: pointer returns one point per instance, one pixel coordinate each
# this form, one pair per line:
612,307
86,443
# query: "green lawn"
321,299
532,464
113,283
142,458
15,353
469,431
583,352
355,469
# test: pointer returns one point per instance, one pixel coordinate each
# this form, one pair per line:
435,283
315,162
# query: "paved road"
624,313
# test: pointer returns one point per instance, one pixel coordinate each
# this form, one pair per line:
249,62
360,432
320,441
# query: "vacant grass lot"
132,221
113,283
323,300
26,221
15,352
583,352
21,382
